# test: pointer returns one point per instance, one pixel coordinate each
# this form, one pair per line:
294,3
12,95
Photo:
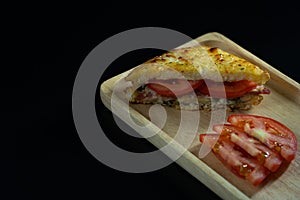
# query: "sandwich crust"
195,63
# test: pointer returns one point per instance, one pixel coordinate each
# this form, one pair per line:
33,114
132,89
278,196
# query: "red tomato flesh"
265,156
177,87
252,146
229,89
174,87
235,159
270,132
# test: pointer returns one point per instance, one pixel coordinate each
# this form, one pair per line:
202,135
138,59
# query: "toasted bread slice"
200,62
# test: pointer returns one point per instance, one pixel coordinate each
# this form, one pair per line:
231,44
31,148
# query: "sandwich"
198,78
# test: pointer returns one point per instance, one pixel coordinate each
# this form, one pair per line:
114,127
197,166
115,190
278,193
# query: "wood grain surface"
283,104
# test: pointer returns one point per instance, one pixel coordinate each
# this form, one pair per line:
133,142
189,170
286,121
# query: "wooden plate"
283,104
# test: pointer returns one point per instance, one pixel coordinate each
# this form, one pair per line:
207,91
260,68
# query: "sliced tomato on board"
235,159
174,87
230,89
252,146
270,132
265,156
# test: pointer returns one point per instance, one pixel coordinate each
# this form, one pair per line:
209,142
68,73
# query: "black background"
48,43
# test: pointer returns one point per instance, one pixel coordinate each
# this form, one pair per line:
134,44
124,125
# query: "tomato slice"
265,156
235,159
174,87
252,146
270,132
232,89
